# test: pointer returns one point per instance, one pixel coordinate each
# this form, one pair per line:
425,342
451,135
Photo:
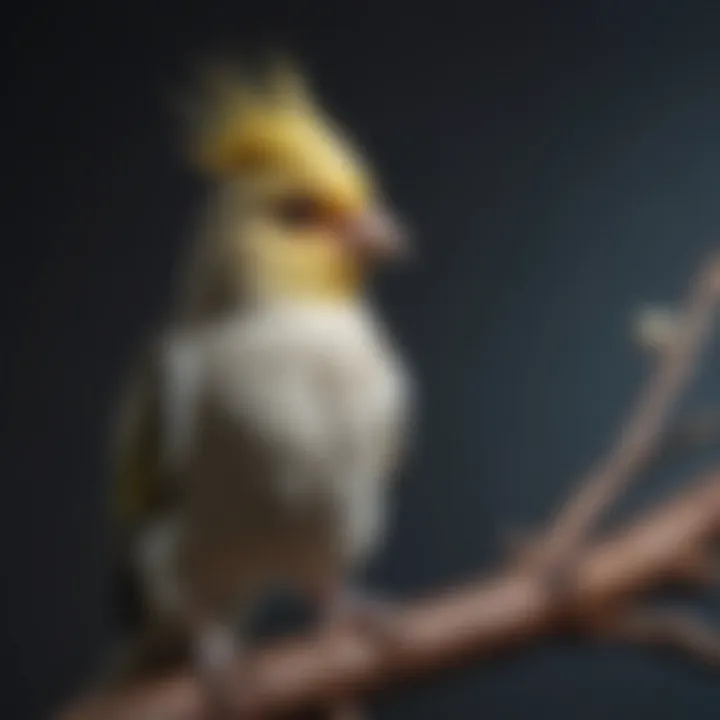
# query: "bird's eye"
299,211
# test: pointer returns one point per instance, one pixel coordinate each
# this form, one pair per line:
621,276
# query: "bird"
259,433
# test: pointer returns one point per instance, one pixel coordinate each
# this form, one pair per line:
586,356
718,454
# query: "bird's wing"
395,440
140,485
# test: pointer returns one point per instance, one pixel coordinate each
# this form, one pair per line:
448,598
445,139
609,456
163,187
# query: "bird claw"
226,696
217,662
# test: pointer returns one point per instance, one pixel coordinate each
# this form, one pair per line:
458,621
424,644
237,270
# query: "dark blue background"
560,163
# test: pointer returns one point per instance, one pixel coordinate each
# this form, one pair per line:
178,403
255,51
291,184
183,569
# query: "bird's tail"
145,657
147,648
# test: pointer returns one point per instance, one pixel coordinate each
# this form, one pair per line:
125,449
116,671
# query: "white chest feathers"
321,386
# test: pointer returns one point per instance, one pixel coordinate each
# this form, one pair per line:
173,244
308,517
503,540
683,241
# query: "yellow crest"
241,127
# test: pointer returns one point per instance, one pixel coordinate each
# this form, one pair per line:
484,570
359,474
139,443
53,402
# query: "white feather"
324,391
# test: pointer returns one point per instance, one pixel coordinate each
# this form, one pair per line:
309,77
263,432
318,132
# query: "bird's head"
297,212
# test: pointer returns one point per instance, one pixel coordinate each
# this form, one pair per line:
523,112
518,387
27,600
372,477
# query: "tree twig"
640,436
697,430
681,631
479,620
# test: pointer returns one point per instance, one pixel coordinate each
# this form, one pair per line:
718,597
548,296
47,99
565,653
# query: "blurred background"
560,165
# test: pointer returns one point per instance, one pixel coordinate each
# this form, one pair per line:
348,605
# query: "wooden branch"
477,621
640,437
668,628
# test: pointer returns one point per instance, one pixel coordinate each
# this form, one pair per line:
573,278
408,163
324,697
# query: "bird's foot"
219,666
370,615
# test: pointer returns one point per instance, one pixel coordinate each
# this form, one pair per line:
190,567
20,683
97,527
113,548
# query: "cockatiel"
257,438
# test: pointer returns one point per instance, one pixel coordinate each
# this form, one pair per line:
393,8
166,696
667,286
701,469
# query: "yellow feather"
239,129
138,486
262,141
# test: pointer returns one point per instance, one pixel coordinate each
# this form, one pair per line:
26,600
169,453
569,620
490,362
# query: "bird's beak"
377,236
